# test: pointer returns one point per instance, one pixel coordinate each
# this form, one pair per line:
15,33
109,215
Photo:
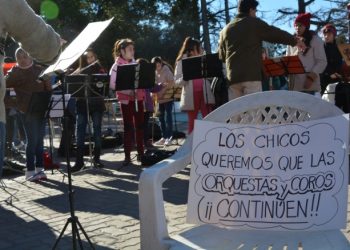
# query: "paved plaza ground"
105,201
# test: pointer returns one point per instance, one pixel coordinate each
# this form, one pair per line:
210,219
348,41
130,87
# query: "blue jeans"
82,121
2,145
166,126
34,126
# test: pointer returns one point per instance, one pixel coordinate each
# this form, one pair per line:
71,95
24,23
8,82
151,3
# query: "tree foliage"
336,14
159,27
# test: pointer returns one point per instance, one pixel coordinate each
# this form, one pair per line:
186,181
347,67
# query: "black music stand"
135,76
76,225
55,110
205,66
202,67
280,66
87,86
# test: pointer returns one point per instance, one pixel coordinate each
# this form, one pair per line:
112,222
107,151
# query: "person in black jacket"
89,64
334,59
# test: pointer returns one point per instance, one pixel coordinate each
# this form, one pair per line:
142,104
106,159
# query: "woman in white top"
313,57
196,94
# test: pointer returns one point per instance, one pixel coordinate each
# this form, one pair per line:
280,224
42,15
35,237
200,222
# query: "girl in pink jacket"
131,101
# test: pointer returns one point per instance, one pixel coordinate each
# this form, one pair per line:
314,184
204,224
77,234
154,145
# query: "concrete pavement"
105,201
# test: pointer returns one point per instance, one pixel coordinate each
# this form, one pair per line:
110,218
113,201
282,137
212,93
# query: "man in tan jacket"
20,22
240,48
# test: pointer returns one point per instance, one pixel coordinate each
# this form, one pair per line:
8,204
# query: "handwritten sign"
290,176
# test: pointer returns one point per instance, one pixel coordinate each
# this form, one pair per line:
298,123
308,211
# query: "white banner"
290,176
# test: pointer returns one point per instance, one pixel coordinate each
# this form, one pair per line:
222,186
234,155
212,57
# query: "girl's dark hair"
83,60
142,60
307,35
190,44
121,44
158,59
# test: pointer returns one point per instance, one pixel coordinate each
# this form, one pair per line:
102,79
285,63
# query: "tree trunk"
227,14
301,6
205,26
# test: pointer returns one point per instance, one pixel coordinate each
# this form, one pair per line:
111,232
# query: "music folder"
205,66
135,76
286,65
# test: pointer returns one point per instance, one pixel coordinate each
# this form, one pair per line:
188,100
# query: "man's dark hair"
245,5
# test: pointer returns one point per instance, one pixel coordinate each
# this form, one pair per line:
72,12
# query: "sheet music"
56,110
77,47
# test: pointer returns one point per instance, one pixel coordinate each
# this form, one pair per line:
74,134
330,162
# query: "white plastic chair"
273,107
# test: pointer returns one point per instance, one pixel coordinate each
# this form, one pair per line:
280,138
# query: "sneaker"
29,174
98,164
76,168
168,141
160,142
40,174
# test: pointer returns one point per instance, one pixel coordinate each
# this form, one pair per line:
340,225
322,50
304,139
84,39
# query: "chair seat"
211,237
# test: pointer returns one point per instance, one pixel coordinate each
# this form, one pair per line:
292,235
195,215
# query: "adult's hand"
300,44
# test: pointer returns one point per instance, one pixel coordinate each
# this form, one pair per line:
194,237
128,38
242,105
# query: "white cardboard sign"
290,176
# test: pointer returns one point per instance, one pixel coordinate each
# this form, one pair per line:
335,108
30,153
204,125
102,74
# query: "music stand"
202,67
279,66
66,59
135,76
55,110
141,74
174,93
76,225
56,105
205,66
87,86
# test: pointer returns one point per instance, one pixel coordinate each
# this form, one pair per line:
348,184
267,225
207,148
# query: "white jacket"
314,62
186,101
19,21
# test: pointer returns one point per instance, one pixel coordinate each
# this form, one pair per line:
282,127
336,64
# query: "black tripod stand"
76,226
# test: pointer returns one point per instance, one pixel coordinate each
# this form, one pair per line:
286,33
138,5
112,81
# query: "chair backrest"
271,107
274,107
